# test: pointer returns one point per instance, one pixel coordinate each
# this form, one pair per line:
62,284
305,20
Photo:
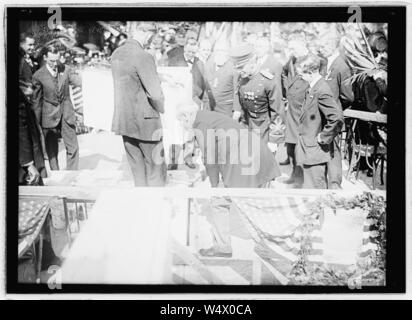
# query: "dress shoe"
214,252
285,162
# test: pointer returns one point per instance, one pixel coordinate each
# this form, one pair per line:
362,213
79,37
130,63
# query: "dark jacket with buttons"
257,95
320,115
51,96
275,68
138,97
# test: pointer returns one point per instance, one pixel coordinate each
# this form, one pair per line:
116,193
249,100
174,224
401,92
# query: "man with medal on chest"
256,92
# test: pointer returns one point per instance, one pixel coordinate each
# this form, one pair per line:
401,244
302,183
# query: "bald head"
186,113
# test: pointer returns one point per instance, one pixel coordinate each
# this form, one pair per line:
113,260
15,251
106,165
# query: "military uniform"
270,63
257,98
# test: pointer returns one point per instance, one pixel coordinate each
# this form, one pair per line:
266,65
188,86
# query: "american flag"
32,215
76,95
274,225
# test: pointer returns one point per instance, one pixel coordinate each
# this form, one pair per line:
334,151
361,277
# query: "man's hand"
33,173
319,139
236,115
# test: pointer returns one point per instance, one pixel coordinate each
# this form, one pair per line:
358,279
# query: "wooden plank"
365,116
190,259
122,244
92,192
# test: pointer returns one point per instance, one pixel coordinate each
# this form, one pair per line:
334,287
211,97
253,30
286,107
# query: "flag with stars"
32,215
274,224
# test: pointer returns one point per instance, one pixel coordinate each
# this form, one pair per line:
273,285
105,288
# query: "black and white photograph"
199,149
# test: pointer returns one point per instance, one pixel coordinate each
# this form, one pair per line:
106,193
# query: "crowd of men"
255,89
246,88
248,83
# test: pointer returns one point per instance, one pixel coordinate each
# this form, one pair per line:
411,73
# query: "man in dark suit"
218,85
31,158
27,65
294,88
320,121
337,74
183,56
231,151
53,108
138,103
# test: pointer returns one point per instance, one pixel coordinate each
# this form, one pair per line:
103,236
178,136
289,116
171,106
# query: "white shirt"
314,80
53,73
331,59
263,59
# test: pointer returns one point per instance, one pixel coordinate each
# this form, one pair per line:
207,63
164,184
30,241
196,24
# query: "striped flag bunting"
32,215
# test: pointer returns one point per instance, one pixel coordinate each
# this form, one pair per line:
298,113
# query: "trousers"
146,160
334,167
51,139
297,172
315,177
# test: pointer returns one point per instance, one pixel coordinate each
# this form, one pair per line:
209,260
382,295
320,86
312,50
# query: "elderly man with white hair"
219,84
229,150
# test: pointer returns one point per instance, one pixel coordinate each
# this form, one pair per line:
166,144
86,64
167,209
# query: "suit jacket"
30,148
368,96
25,69
51,96
138,97
320,114
220,86
294,89
175,57
200,88
212,132
337,78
